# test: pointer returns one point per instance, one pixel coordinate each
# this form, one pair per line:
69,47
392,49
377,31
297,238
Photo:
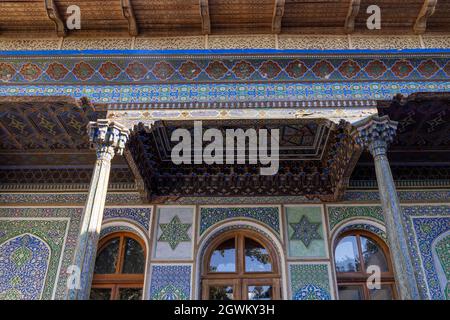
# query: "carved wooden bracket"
278,12
53,14
204,13
128,13
353,10
428,8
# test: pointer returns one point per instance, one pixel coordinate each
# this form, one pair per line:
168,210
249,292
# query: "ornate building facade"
92,205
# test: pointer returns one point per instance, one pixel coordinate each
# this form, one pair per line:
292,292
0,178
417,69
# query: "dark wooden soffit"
316,160
30,18
45,123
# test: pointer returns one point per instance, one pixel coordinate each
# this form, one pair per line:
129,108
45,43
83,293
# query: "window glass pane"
221,293
134,260
107,258
346,255
259,292
100,294
130,293
223,258
351,293
372,254
385,293
257,258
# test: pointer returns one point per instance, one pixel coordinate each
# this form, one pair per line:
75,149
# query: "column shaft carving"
107,138
375,134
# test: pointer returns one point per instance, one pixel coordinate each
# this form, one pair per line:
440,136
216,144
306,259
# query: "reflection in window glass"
223,259
373,255
351,293
346,255
384,293
259,292
100,294
257,258
107,258
130,293
134,260
221,293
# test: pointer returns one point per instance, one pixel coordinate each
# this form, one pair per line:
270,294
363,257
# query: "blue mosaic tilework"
51,226
230,93
170,282
403,195
423,225
267,215
108,230
310,282
338,214
23,267
139,215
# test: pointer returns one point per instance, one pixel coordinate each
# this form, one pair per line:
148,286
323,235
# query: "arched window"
356,255
119,268
240,265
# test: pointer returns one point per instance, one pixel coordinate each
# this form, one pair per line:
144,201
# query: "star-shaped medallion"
305,231
174,232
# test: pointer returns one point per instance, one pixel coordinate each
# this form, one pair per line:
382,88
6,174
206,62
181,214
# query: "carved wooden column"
375,134
108,138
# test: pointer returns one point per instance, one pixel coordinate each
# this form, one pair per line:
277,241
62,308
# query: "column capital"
375,134
107,138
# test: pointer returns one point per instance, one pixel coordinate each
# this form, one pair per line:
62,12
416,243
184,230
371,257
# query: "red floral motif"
136,70
296,69
269,69
323,69
189,70
243,69
402,69
7,72
83,71
163,70
57,71
349,69
30,71
428,68
109,70
216,69
375,69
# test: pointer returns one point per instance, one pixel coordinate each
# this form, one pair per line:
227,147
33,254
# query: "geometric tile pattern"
151,68
424,224
403,195
229,95
139,215
310,281
267,215
305,231
58,228
170,282
337,214
442,249
174,232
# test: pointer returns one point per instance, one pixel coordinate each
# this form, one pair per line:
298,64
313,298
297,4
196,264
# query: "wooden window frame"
118,280
240,279
360,278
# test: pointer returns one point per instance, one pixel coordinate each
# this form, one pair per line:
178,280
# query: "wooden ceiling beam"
204,13
353,10
53,14
128,13
428,8
278,12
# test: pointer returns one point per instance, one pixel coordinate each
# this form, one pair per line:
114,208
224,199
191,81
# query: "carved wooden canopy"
197,17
